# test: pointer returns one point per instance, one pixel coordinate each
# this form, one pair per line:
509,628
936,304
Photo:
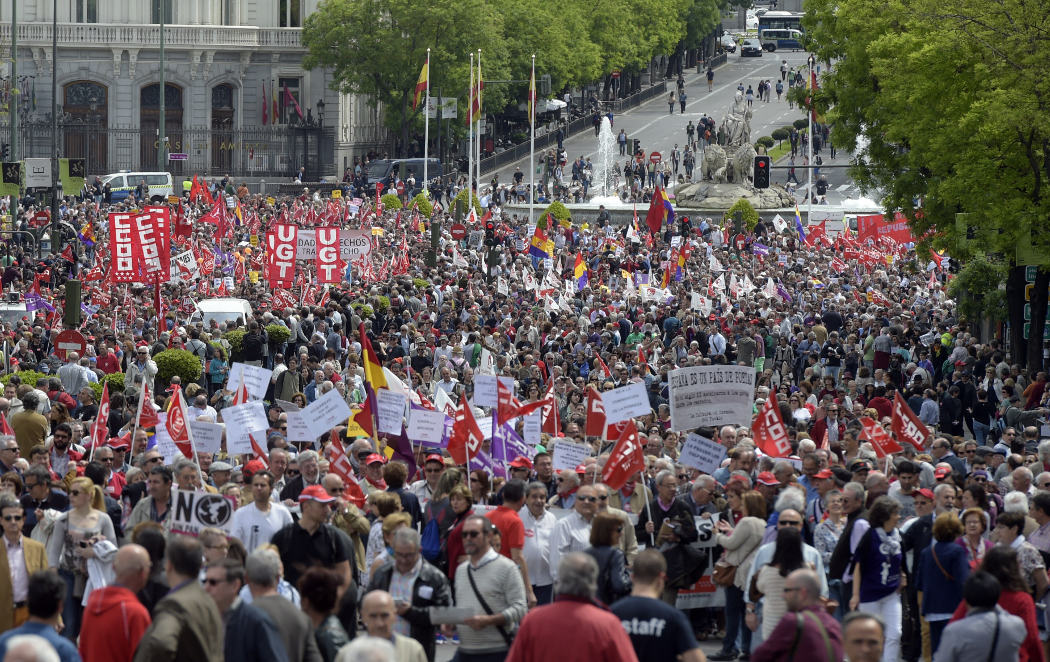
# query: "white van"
123,183
222,309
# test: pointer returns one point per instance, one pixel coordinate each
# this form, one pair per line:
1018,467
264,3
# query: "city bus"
784,38
780,20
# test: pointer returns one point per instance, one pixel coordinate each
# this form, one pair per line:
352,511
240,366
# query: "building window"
289,13
226,7
84,11
289,102
155,11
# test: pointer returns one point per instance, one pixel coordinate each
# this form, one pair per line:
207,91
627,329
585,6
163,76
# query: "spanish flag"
370,362
422,83
579,272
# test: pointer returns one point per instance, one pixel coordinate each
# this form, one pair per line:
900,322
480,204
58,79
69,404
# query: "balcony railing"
107,35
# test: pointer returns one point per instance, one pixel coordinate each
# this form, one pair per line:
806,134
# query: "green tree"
951,105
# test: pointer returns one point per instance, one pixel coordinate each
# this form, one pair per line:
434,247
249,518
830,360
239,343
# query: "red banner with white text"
328,262
280,254
152,260
875,227
121,252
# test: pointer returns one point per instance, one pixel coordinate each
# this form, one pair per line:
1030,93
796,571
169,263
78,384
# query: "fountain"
604,176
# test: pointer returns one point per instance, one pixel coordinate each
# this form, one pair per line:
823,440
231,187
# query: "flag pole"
426,131
532,139
477,133
470,133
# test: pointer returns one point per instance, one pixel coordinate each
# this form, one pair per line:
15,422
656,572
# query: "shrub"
222,350
115,381
278,333
423,205
391,201
780,135
421,284
556,209
236,340
766,141
172,362
462,195
27,376
750,215
382,304
800,124
363,309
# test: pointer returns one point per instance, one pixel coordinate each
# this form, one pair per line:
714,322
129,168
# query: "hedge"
278,333
556,209
463,195
27,377
391,201
750,215
172,362
423,205
236,340
115,381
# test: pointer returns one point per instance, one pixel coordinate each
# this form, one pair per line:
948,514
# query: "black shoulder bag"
507,637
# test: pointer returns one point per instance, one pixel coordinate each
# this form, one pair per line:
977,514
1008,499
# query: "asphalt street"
661,131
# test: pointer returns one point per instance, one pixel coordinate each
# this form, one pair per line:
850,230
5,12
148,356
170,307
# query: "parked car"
751,47
728,42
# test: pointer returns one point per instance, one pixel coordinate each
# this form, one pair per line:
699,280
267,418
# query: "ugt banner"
280,254
875,227
121,252
152,259
328,262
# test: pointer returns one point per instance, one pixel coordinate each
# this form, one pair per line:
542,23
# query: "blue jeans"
980,432
735,622
71,609
544,594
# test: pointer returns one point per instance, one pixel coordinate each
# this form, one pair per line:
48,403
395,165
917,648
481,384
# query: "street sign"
458,231
41,218
400,188
1028,312
69,341
1028,331
173,199
739,241
177,156
655,157
615,74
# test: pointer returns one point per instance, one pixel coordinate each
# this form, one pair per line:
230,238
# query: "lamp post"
809,135
56,231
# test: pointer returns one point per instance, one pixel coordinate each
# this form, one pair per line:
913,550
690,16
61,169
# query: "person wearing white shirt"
764,555
201,408
255,523
433,468
717,344
573,533
539,526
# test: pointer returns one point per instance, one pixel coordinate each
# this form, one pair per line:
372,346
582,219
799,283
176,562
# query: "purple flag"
507,445
36,302
403,451
483,462
759,249
783,293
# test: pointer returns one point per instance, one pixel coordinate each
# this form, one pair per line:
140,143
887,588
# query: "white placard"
485,394
193,511
626,402
426,426
710,395
568,455
391,406
188,272
353,244
702,453
38,173
257,379
240,420
532,425
207,437
165,446
297,429
485,424
325,413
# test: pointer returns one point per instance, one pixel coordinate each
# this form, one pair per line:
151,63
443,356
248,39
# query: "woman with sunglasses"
71,544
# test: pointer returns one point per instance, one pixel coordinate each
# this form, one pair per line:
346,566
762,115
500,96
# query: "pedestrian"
806,626
750,96
573,627
670,103
249,633
862,637
27,557
621,140
783,70
539,526
262,572
988,632
681,100
710,79
378,614
114,619
877,575
780,89
46,592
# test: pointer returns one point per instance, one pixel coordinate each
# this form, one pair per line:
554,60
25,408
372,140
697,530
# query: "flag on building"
265,104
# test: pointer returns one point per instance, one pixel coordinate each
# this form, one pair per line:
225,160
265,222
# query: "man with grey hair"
262,572
309,474
416,586
789,518
539,526
573,533
30,648
573,627
807,626
664,507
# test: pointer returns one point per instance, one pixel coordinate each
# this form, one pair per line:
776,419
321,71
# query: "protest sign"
391,405
710,396
704,593
325,413
207,437
531,427
255,378
353,244
193,511
626,402
568,455
702,453
240,420
297,429
426,427
485,389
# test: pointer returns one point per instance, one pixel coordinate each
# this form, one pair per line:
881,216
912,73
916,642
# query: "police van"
124,183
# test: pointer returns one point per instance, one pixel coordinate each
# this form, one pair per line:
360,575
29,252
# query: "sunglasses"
790,522
471,534
291,472
12,518
214,582
588,499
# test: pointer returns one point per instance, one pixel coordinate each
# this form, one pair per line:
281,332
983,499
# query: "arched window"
222,141
86,105
149,122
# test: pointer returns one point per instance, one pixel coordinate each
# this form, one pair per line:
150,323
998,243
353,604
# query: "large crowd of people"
364,544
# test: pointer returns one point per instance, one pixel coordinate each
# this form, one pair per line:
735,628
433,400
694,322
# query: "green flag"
11,182
71,172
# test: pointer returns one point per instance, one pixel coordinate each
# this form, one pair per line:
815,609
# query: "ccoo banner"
280,254
121,251
151,255
711,395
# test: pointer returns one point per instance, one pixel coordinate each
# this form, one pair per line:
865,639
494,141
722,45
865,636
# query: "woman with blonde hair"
740,543
72,543
382,504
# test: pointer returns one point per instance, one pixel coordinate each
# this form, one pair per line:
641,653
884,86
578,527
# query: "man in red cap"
768,486
433,467
374,474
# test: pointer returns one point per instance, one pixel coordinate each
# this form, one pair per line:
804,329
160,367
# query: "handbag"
507,637
724,573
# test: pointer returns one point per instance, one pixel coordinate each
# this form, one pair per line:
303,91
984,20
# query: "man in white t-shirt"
255,523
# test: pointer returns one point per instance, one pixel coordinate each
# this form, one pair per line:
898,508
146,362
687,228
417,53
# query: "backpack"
430,541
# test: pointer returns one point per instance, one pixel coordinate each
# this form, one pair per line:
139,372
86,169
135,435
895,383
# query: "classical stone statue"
737,122
713,166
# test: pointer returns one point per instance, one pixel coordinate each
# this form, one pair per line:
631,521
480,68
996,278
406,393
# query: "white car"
728,43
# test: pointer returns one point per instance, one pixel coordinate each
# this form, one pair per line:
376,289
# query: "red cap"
941,472
767,478
739,479
521,462
116,443
581,469
823,473
375,457
433,457
926,492
250,468
315,493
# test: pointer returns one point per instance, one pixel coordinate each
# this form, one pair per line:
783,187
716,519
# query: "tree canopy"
947,103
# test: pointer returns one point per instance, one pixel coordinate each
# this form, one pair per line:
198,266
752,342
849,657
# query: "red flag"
605,368
465,440
364,417
551,425
240,396
257,448
147,416
769,432
881,442
506,404
595,414
100,428
627,459
5,427
340,464
178,425
906,425
655,217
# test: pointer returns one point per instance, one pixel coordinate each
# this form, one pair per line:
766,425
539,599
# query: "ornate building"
237,99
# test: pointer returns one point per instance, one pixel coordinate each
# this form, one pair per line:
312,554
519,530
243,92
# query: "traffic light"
761,175
490,233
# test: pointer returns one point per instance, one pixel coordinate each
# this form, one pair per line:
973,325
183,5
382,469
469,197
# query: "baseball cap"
315,493
117,443
941,472
859,465
980,474
433,457
767,478
251,467
375,457
521,462
581,469
823,473
926,492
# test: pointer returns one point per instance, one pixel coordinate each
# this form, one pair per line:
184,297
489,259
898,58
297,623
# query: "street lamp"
320,112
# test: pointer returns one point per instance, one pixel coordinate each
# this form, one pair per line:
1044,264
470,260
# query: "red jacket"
114,622
1021,605
571,629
